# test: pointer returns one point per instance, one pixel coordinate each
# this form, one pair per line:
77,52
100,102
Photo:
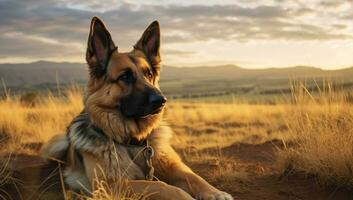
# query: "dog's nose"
157,100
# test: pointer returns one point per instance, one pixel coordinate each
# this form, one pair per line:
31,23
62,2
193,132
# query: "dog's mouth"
155,112
142,112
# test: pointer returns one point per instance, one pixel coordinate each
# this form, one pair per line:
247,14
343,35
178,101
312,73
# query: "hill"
175,81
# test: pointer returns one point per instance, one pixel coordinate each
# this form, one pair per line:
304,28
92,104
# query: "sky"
246,33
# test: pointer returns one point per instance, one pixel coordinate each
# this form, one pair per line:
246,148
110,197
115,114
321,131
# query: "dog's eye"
149,74
126,77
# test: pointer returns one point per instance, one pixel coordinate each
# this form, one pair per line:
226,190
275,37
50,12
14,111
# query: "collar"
132,141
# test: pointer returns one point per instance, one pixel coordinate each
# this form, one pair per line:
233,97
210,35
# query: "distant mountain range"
174,80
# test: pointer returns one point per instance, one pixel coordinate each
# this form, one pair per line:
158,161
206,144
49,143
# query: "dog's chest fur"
88,146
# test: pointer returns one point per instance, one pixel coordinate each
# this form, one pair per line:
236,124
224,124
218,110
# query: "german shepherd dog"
119,134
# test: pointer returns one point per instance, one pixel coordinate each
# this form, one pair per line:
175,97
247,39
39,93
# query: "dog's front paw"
216,195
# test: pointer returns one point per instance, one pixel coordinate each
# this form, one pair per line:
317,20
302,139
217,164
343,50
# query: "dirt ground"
257,176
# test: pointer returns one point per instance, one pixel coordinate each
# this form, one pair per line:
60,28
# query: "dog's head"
123,97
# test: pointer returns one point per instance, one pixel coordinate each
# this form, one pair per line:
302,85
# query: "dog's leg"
157,190
170,168
152,190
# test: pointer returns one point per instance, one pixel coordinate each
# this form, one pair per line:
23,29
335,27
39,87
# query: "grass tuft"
322,126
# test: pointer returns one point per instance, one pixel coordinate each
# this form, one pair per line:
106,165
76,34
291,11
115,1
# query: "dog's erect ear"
149,43
100,46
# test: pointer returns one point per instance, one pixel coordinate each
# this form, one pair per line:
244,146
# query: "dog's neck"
85,136
130,141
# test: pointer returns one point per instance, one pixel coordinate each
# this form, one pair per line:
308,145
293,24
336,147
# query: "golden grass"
322,126
203,125
105,191
20,123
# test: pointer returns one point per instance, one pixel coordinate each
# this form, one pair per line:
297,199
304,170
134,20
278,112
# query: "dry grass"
104,191
322,126
205,125
5,177
21,123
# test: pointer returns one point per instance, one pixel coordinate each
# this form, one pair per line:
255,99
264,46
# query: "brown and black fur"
123,102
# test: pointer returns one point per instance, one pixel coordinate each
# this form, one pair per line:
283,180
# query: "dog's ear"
149,43
100,46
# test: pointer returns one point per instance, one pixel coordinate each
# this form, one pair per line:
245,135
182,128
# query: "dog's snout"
156,100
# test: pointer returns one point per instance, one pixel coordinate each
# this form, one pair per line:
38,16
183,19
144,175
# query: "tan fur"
110,159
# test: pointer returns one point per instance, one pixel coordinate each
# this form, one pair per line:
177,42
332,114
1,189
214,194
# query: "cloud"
333,4
177,52
47,28
16,43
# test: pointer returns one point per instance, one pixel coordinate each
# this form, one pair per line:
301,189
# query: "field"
299,148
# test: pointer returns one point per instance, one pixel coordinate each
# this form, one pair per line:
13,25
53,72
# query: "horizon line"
197,66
